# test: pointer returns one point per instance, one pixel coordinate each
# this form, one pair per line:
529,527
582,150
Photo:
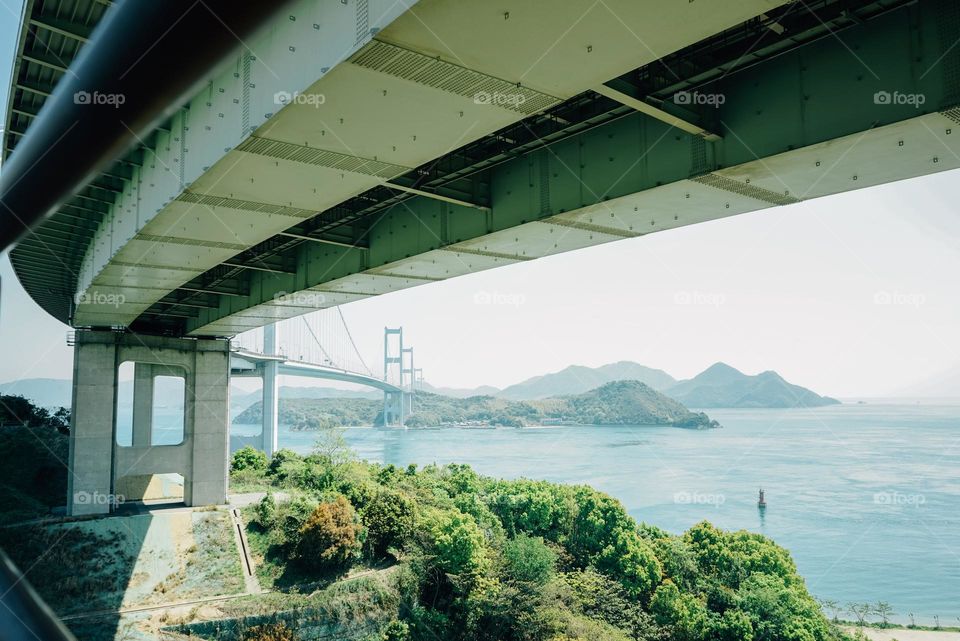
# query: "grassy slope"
123,562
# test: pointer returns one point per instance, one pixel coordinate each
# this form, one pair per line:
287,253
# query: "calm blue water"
865,497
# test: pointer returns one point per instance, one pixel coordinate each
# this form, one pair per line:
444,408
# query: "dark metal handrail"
23,614
144,61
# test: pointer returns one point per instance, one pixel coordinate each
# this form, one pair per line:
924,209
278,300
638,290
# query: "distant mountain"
723,386
45,392
462,392
577,379
718,386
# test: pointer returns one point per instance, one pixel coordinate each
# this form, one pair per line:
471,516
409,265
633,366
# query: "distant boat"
762,501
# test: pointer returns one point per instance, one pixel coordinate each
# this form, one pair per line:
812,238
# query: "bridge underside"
339,115
872,104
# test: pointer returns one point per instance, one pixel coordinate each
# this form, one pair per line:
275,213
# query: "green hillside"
482,559
616,403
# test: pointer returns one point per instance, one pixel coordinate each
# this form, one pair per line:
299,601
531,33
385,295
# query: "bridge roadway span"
359,149
354,149
244,364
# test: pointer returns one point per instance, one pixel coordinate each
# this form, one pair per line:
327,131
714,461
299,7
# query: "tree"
536,508
389,520
884,610
630,560
61,420
248,458
528,560
284,464
458,543
602,598
330,538
734,625
860,611
17,410
677,559
683,612
331,447
598,518
833,606
781,609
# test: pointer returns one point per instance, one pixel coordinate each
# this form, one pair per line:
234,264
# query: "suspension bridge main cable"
350,336
320,345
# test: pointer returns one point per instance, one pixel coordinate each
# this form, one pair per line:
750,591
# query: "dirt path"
152,608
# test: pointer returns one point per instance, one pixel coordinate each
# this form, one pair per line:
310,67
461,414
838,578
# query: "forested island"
615,403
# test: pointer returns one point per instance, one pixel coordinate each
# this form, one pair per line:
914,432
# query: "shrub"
330,538
529,560
248,458
269,632
288,519
534,507
598,518
396,631
628,558
267,511
603,598
278,464
458,543
389,521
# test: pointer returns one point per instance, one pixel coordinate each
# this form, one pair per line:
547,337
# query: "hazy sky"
853,295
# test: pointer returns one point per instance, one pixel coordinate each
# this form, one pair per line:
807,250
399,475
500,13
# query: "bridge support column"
270,406
142,404
394,409
97,462
92,427
271,391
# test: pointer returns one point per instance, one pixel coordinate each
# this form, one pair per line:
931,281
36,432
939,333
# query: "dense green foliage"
34,479
630,403
18,411
248,458
491,559
616,403
317,413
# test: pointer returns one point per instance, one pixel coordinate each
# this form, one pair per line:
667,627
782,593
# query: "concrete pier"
97,462
271,390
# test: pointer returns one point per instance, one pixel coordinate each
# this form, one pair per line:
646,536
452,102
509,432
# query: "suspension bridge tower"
397,368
